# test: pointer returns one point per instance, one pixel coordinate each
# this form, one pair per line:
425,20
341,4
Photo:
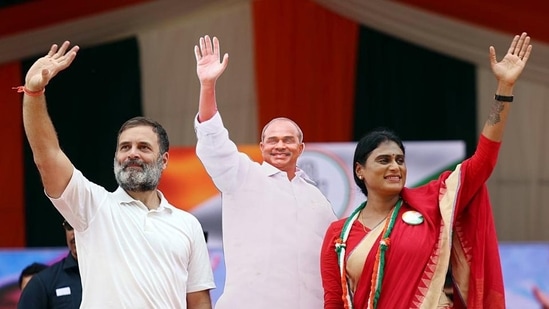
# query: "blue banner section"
525,265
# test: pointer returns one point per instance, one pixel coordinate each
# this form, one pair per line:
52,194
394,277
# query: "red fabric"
12,203
501,15
414,248
33,15
307,77
410,245
475,230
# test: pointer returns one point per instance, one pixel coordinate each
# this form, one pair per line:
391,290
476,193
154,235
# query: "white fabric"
272,227
132,257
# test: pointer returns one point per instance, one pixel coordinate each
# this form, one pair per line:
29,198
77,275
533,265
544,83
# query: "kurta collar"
271,170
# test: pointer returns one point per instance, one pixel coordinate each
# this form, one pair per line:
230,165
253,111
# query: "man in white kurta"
274,217
273,227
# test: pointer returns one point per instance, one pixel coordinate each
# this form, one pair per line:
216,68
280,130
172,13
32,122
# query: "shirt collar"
124,198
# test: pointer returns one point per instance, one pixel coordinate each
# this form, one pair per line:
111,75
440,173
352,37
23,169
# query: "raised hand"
510,67
45,68
208,64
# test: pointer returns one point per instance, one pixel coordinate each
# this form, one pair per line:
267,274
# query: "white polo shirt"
132,257
273,228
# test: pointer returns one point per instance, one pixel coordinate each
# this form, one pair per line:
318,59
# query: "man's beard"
135,180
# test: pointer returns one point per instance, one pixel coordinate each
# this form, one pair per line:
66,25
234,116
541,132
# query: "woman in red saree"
395,250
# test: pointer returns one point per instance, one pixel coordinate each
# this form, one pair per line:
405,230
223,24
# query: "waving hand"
45,68
511,66
208,64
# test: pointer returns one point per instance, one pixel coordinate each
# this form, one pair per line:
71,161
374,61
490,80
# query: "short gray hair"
299,132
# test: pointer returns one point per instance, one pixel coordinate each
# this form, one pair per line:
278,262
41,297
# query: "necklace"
361,220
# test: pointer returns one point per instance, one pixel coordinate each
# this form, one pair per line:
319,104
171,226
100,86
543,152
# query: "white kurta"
273,228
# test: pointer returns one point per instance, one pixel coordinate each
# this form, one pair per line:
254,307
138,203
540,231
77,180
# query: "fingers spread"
513,45
61,51
527,53
520,45
68,58
524,47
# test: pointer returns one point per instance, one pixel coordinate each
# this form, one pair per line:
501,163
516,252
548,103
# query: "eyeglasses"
67,226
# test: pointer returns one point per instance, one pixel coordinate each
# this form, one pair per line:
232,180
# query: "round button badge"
412,217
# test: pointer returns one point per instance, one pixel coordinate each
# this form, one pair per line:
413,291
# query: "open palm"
208,64
511,66
45,68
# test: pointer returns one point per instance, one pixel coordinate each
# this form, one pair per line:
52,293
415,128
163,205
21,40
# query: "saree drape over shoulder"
457,230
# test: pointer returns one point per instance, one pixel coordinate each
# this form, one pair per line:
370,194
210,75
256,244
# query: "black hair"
163,141
367,144
31,270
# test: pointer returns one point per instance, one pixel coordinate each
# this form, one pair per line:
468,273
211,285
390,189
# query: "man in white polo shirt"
135,250
274,217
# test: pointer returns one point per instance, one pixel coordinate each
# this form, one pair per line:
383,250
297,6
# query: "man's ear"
165,158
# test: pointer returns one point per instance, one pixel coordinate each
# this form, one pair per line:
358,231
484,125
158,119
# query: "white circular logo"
331,176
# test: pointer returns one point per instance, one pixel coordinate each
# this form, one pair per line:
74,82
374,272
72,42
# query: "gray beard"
134,180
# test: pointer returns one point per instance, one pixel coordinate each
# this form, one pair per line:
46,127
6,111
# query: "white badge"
63,291
412,217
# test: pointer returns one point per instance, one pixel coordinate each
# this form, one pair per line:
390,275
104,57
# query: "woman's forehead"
387,148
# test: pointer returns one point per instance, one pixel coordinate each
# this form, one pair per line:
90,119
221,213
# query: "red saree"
458,228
